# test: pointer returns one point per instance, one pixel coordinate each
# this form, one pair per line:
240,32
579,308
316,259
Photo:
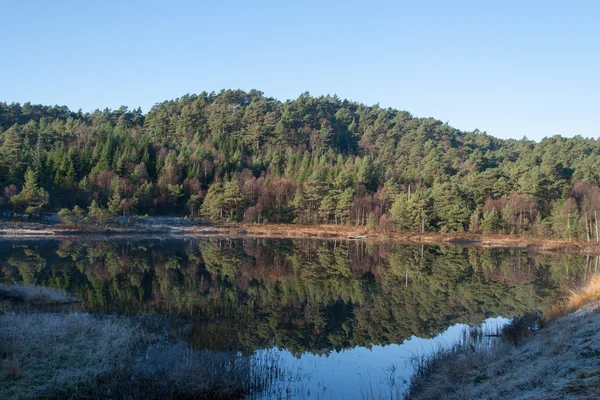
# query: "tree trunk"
587,228
596,219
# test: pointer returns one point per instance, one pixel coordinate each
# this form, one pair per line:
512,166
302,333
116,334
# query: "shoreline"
326,232
557,361
318,232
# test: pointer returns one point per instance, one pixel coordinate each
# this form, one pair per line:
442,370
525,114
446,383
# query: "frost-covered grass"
79,355
35,294
62,355
558,361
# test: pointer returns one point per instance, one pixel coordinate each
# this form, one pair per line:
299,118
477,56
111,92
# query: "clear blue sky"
511,68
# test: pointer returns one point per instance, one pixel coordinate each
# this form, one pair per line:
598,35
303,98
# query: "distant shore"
182,227
344,232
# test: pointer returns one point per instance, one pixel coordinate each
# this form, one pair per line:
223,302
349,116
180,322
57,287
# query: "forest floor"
180,226
559,361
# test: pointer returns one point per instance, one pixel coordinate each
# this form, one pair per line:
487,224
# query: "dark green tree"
31,199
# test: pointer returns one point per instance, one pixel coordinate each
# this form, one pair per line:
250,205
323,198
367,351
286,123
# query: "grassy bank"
558,361
68,355
35,294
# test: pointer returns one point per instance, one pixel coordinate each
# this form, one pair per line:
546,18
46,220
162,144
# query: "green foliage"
212,206
300,295
475,222
71,217
193,205
238,155
31,199
224,201
491,221
565,219
97,215
411,214
450,207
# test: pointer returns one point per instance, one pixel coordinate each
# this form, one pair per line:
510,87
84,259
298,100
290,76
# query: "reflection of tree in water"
27,261
302,295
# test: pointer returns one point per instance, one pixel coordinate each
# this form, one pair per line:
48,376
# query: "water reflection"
300,295
354,302
378,372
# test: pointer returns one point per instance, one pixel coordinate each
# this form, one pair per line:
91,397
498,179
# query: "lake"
342,319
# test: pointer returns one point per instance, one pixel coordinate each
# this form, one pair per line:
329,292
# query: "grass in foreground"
35,294
469,353
558,361
576,299
78,355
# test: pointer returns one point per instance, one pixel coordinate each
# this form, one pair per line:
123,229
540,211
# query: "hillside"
236,156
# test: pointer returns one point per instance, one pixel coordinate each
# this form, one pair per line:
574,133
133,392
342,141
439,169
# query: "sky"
510,68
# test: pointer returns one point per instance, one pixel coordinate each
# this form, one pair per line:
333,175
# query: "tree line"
242,156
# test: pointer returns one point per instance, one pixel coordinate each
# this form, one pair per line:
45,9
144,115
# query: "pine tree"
71,217
32,199
475,222
343,205
491,222
38,158
233,201
12,150
212,206
327,208
96,214
115,204
450,207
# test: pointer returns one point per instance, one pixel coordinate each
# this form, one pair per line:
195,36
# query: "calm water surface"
342,318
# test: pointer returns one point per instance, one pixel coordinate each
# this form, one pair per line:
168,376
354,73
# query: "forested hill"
246,157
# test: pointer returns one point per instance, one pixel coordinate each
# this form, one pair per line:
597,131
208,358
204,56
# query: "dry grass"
448,368
78,355
576,299
35,294
519,328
